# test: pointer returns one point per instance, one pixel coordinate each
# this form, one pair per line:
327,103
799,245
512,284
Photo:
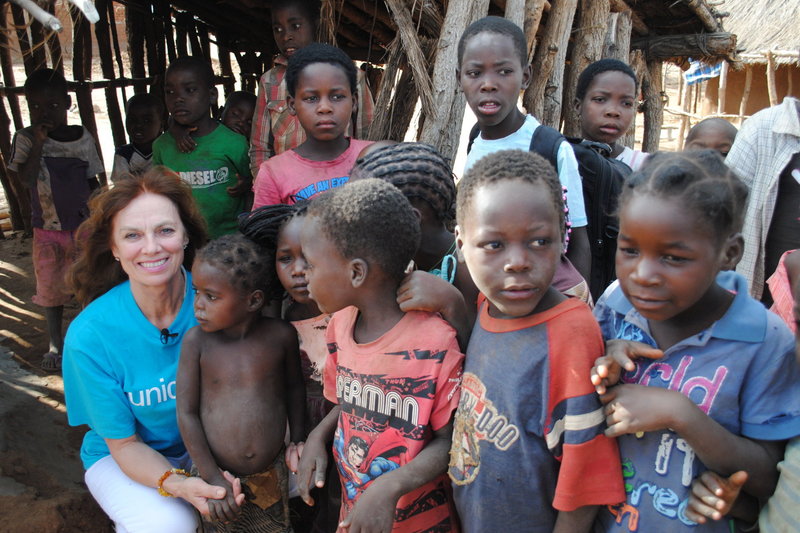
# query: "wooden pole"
38,48
653,106
54,45
225,66
443,127
134,24
618,38
112,22
21,24
771,89
181,37
102,34
8,69
15,206
687,99
381,123
723,88
637,63
515,12
748,83
81,62
543,97
533,17
587,48
169,29
413,51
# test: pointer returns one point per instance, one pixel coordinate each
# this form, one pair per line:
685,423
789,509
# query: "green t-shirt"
210,169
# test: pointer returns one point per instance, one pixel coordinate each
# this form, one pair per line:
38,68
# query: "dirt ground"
41,476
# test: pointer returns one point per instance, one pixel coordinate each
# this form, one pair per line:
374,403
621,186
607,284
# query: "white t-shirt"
633,158
567,164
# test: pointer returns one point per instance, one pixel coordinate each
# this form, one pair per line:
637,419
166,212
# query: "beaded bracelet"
163,478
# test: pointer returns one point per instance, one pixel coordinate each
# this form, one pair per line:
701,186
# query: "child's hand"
293,454
713,496
183,137
620,354
241,188
373,512
636,408
40,131
313,462
227,508
422,291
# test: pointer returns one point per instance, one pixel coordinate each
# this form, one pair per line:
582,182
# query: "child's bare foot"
51,362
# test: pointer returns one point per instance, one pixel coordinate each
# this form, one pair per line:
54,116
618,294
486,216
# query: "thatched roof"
365,28
765,25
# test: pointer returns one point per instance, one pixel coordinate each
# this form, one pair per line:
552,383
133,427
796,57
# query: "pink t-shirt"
288,177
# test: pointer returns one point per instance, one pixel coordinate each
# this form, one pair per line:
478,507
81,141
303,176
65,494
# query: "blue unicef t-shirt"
741,372
119,377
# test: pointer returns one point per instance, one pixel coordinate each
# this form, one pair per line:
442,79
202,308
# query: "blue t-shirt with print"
741,371
119,377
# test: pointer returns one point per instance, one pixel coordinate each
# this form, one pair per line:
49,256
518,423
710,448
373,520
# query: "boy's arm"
375,509
423,291
295,388
579,253
191,427
314,459
636,408
260,147
28,171
577,521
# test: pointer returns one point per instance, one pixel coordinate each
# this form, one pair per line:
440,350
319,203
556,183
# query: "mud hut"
769,52
408,48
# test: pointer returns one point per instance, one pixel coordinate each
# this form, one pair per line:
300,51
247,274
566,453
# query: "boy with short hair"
219,161
394,376
714,133
239,383
144,122
528,451
492,70
59,165
237,113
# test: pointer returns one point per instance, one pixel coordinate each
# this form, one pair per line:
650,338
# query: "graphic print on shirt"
321,186
379,419
659,466
476,419
205,178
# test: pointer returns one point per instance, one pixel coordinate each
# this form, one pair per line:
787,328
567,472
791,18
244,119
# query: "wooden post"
618,38
15,205
21,24
587,48
169,29
687,101
443,127
413,51
8,69
543,97
637,63
181,31
102,32
225,66
134,24
653,106
515,12
54,45
533,16
403,104
773,92
748,83
112,23
81,71
381,123
38,50
723,88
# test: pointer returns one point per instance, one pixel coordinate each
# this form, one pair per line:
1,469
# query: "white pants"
136,508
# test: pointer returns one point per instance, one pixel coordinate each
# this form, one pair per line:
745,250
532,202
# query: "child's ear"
577,105
458,76
358,272
732,251
459,238
290,103
526,76
256,300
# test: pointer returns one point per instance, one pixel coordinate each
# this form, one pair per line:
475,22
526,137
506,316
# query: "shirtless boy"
239,380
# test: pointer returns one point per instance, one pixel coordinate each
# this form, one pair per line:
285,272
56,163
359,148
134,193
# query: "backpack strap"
546,142
473,134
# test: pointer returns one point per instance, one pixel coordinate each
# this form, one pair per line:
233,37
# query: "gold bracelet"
163,478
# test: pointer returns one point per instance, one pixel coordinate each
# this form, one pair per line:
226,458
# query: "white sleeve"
571,179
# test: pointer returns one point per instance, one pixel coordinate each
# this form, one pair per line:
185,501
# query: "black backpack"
602,178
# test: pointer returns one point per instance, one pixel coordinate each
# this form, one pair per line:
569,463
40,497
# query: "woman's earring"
116,259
